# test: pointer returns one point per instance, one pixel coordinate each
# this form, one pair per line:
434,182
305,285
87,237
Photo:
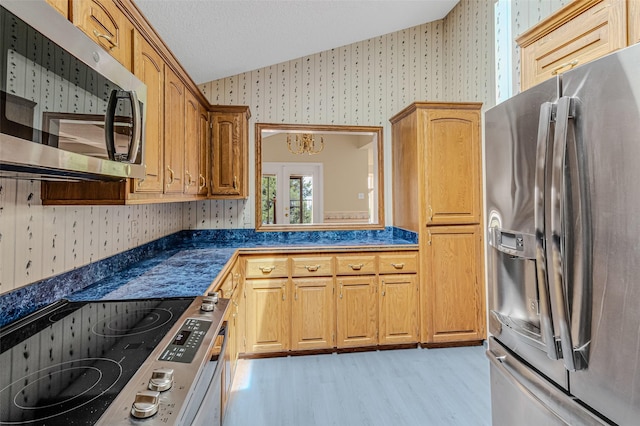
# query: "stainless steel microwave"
68,110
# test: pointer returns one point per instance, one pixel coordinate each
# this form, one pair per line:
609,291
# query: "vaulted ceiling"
214,39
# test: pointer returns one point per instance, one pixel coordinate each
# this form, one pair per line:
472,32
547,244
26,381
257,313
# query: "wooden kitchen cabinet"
578,33
148,66
107,25
268,317
399,297
454,298
357,311
439,143
312,313
203,167
229,151
174,105
191,144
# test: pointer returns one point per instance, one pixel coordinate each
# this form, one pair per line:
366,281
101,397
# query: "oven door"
205,407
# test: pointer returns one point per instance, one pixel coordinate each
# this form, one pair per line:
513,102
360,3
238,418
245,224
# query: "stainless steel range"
112,362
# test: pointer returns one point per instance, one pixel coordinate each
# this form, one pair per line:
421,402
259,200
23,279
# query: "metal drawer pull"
398,265
311,268
266,269
356,267
571,64
106,37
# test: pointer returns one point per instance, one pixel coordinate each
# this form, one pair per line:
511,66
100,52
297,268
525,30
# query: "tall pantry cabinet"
437,192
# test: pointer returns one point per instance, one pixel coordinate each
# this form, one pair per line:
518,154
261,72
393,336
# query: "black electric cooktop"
66,363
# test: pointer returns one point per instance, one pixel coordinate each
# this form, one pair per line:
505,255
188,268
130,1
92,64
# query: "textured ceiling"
214,39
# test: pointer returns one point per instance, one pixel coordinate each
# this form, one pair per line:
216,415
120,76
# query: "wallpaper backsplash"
363,83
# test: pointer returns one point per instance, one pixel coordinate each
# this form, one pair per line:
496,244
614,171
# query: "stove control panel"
165,389
186,342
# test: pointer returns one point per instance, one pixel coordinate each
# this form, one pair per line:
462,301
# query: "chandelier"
304,144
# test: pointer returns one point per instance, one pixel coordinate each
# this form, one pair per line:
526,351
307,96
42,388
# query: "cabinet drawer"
398,263
311,266
355,265
267,267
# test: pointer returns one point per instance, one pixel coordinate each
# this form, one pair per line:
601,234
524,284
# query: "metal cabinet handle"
189,181
340,290
284,297
295,294
235,182
203,182
171,176
567,65
383,289
398,265
430,214
356,267
266,269
106,37
312,268
429,240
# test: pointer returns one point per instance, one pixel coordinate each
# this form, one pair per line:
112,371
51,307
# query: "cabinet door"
174,123
454,288
203,186
312,313
574,37
267,327
452,166
192,143
398,309
236,326
357,305
227,154
148,66
106,25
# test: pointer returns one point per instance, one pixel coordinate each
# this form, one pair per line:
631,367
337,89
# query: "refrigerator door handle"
546,325
574,344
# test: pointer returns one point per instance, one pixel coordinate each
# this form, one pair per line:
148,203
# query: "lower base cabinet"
398,309
357,305
453,295
267,320
312,314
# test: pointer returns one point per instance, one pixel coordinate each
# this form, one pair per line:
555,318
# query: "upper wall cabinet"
107,25
580,32
436,165
148,66
229,151
174,106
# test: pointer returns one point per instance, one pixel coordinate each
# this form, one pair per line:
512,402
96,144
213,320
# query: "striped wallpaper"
363,83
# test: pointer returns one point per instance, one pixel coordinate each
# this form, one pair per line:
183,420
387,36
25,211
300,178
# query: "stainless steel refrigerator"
563,212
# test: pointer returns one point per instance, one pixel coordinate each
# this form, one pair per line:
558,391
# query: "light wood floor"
398,387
